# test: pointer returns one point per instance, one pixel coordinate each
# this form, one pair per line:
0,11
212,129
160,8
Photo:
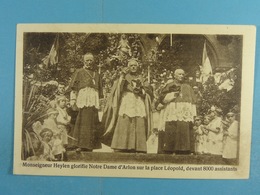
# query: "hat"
60,97
44,131
197,118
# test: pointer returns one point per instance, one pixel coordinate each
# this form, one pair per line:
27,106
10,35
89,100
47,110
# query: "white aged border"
248,56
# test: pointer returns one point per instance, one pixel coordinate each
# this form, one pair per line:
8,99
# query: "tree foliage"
185,52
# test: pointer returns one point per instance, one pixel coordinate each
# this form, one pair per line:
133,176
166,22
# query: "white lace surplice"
88,97
132,105
180,111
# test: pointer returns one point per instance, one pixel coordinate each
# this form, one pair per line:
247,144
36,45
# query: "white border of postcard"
155,170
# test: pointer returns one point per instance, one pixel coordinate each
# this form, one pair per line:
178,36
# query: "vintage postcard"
134,100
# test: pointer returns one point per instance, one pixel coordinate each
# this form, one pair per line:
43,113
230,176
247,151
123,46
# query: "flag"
53,57
206,69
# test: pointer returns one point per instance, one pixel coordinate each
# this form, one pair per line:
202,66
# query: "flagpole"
99,68
171,40
206,65
149,73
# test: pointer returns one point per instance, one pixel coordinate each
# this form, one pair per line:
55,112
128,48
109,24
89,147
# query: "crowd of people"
137,117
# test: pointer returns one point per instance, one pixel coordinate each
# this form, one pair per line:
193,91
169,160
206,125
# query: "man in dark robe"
180,110
85,87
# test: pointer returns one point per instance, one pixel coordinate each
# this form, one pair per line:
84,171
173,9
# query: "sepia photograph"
134,100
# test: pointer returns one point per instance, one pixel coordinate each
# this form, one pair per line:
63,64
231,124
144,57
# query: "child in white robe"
46,137
215,135
199,135
63,119
206,121
56,142
231,138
